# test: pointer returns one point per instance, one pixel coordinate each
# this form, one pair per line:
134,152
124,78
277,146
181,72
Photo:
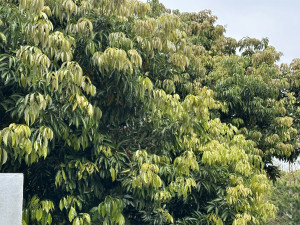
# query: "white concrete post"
11,198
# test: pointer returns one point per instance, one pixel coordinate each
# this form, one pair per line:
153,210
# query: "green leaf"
87,217
113,174
38,214
61,205
72,214
4,156
5,138
49,220
76,221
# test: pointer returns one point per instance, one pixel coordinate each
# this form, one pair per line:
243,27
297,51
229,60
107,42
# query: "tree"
260,102
287,187
109,111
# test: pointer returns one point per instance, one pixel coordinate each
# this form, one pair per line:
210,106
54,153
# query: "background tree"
288,188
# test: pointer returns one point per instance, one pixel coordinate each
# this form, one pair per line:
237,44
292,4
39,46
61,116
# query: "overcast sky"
279,20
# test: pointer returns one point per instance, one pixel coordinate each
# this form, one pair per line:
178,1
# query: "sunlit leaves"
185,163
69,77
39,31
147,177
135,58
35,7
34,58
140,8
33,104
73,206
268,56
168,23
145,45
145,28
157,43
182,186
19,142
70,8
163,196
83,27
60,47
112,59
105,149
63,9
180,61
119,40
39,211
165,215
111,210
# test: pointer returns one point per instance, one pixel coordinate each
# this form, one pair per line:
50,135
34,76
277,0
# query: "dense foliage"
121,112
286,196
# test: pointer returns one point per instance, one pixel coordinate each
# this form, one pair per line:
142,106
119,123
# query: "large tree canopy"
122,112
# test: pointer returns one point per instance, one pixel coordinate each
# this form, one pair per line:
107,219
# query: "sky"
279,20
